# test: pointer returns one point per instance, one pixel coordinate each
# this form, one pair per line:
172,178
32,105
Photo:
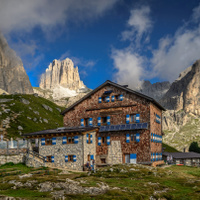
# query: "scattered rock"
25,176
45,120
20,128
5,100
35,95
28,117
36,112
29,108
6,110
24,101
47,107
58,109
34,119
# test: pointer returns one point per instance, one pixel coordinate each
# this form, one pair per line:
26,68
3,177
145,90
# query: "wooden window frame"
71,141
86,121
134,118
117,97
89,139
70,158
48,141
103,140
102,121
48,159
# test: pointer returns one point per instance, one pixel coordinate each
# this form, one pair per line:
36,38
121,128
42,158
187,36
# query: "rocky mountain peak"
155,90
61,74
184,93
13,78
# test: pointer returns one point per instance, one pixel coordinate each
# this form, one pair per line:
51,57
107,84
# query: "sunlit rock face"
61,73
13,77
184,93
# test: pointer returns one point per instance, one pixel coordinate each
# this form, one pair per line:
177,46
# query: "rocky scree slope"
13,78
181,122
21,114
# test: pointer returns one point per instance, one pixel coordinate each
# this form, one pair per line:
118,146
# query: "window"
132,137
104,99
104,120
89,139
48,159
48,141
70,158
103,160
117,97
70,140
132,118
103,140
86,122
88,157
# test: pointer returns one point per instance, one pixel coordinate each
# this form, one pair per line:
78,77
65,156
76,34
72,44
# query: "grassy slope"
187,134
134,182
22,111
168,148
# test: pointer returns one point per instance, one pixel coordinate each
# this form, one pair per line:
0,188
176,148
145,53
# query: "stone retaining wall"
20,158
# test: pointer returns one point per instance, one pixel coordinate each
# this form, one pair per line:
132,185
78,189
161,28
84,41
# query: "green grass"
20,112
169,148
22,167
136,182
26,193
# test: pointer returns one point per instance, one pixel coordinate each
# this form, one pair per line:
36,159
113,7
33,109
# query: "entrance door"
127,158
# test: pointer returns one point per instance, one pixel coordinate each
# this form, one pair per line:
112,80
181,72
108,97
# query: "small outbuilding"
183,158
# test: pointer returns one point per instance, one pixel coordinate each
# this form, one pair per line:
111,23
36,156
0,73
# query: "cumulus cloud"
129,66
139,23
24,15
174,53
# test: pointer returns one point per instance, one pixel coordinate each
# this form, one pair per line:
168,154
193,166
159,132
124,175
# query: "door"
127,158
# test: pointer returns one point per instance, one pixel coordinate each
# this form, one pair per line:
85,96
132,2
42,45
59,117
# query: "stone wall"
20,158
59,151
89,149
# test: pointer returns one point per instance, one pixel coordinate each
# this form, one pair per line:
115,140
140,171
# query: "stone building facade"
63,148
112,124
130,128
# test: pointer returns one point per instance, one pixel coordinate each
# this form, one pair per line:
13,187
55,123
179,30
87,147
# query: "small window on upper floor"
48,159
132,118
132,137
104,99
103,140
117,97
104,120
86,121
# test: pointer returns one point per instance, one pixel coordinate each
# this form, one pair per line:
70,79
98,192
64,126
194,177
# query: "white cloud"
129,66
139,23
177,53
173,55
78,61
24,15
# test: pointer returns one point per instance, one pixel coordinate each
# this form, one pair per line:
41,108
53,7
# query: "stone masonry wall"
155,128
20,158
59,151
89,149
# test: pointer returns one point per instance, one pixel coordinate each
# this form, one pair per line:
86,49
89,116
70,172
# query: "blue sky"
120,40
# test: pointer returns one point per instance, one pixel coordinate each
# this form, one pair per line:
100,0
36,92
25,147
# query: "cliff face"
13,78
181,123
61,73
184,93
155,90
